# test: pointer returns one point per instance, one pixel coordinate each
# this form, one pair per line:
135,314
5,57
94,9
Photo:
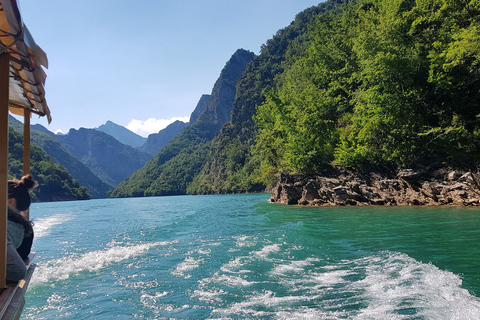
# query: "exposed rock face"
380,187
218,108
201,106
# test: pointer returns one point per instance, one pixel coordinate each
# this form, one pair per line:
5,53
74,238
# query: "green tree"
55,183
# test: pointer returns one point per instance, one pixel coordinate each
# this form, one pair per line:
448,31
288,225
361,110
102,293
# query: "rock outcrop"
340,186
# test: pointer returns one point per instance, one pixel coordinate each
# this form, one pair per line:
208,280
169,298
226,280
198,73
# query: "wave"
44,225
188,264
387,285
399,284
64,268
192,261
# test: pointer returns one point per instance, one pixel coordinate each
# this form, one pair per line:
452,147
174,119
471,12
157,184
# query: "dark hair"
18,189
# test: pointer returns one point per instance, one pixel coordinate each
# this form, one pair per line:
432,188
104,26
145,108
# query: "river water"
240,257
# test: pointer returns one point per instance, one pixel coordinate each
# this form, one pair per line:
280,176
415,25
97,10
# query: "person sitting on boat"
18,228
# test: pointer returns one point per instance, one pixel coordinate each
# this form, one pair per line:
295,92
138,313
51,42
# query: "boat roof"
27,59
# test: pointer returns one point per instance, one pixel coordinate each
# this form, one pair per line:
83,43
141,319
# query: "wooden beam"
26,150
4,85
26,142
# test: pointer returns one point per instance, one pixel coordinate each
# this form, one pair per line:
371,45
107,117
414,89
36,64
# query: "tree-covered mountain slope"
55,183
355,83
230,166
173,168
108,158
156,141
122,134
386,83
95,186
45,139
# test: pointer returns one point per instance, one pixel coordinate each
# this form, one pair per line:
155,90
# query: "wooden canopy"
22,80
27,77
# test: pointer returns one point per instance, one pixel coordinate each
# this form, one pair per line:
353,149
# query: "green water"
240,257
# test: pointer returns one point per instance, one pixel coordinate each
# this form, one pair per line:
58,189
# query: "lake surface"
240,257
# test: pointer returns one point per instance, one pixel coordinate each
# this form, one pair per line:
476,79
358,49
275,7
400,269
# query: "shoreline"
382,187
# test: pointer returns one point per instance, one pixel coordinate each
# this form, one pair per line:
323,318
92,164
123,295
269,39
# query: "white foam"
187,265
153,302
331,278
267,250
264,300
399,282
148,299
227,280
235,265
387,285
210,295
246,241
44,225
294,266
64,268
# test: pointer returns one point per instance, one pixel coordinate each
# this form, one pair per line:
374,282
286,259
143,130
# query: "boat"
22,80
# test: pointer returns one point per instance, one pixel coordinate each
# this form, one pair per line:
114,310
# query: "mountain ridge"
122,134
104,155
156,141
174,167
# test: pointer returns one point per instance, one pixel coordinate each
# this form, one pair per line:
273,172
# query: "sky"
143,64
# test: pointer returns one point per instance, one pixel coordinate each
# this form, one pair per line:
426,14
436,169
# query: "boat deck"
12,297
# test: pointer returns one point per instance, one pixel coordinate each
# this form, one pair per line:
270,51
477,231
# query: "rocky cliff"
201,106
340,186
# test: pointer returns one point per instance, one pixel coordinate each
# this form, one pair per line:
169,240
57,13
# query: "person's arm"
16,268
25,247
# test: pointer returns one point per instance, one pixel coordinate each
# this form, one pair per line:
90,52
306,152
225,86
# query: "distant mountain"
174,167
157,141
46,140
105,156
55,182
39,127
122,134
59,154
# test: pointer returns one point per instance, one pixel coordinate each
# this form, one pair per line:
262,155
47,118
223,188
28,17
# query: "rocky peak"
219,106
201,106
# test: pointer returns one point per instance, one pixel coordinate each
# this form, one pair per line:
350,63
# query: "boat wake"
64,268
385,285
44,225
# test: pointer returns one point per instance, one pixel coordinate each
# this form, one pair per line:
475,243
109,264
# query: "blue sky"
142,64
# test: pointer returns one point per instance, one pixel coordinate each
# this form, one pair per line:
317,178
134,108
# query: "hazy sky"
143,64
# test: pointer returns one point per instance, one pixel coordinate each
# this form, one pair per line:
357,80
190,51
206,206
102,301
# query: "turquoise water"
240,257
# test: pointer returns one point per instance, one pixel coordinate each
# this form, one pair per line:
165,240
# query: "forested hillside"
230,166
156,141
44,139
392,83
55,183
95,186
372,82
